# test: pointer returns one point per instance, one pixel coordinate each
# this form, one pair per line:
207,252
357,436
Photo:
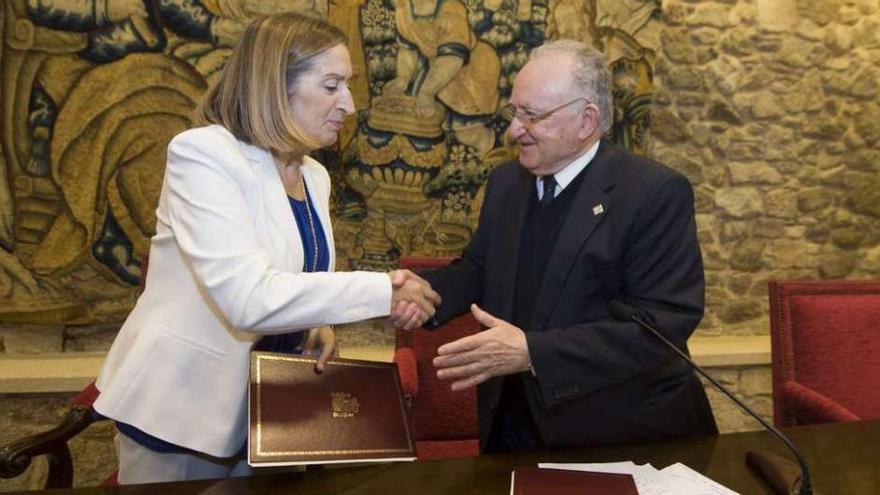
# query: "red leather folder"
535,481
353,411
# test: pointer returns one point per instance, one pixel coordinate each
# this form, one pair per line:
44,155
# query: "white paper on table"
680,471
677,479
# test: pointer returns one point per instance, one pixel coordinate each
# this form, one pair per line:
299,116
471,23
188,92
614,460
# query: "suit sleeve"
209,215
662,275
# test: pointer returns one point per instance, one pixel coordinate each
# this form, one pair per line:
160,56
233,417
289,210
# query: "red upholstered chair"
825,347
444,423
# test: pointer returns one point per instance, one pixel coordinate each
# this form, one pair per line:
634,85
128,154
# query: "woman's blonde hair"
250,98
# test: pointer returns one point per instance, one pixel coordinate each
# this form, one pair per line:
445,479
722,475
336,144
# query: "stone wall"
751,384
770,108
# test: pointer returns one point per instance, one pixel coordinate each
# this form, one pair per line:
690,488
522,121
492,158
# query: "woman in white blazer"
243,256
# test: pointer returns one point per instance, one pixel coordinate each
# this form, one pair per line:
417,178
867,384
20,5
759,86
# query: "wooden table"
844,459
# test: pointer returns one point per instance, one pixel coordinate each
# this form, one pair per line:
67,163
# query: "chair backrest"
438,413
826,336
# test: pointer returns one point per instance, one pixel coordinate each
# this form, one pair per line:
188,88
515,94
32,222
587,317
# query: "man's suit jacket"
225,269
630,234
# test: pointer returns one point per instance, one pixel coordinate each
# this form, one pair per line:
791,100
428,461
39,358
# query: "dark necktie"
549,184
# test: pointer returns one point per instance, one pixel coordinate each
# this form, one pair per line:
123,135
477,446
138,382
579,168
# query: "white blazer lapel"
277,207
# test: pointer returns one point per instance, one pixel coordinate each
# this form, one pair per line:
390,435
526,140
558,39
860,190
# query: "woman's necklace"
311,224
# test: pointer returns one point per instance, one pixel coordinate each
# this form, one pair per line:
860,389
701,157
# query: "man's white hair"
591,77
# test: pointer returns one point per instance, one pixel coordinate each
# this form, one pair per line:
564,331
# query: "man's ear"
590,121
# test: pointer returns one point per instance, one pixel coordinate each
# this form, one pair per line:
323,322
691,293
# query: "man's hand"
412,300
500,350
323,341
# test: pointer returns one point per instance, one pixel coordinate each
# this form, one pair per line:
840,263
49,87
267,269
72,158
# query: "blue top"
285,343
288,342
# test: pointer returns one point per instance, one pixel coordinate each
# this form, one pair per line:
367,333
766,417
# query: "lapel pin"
598,209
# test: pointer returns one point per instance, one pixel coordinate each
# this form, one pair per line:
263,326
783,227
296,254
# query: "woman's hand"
413,301
321,340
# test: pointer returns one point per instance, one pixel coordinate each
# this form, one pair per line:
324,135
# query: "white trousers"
138,464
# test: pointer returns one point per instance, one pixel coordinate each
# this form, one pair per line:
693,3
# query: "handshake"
413,301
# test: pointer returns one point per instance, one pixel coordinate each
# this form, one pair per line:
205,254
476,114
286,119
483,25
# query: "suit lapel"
512,217
276,203
591,203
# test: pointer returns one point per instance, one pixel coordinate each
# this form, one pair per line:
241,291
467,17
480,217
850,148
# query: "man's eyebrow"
525,107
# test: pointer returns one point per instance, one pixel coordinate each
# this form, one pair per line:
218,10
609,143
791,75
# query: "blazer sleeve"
662,275
206,206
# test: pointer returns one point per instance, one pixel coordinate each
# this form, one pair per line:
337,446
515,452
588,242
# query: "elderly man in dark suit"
570,226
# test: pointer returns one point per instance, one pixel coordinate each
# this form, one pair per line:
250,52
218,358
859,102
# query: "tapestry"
92,91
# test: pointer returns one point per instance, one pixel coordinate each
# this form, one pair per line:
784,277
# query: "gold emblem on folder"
344,405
